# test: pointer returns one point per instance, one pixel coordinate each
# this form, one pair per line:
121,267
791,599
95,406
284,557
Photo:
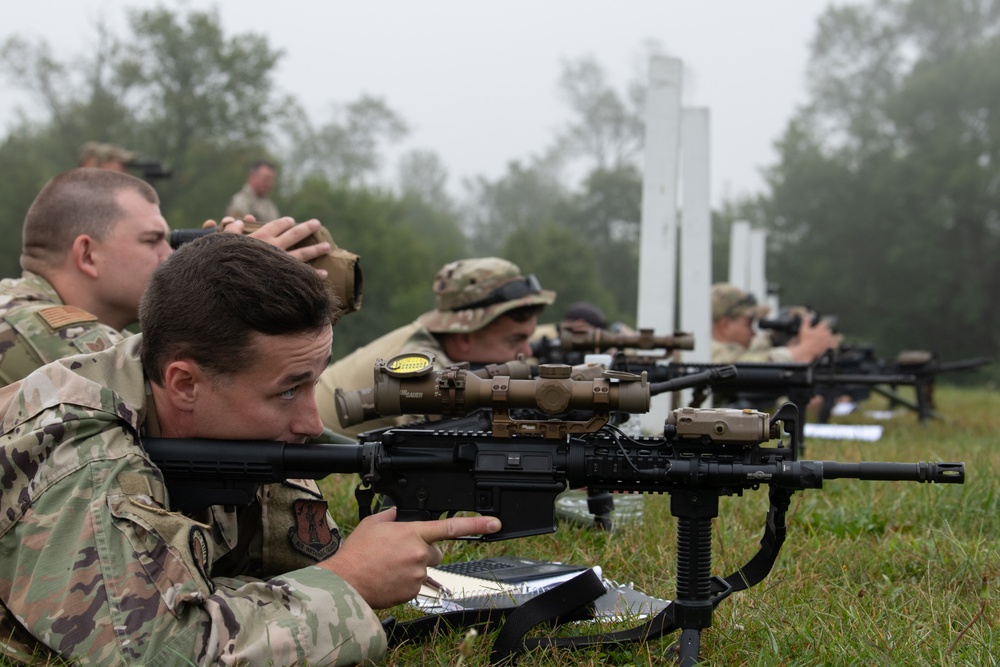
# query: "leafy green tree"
884,203
175,87
402,241
607,128
563,261
348,147
525,197
422,173
590,227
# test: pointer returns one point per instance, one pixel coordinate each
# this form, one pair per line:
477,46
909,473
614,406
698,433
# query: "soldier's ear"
82,254
183,379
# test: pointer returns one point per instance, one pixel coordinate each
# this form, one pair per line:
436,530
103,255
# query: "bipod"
693,605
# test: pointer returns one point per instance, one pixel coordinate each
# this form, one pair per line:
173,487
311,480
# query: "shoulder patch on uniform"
59,317
311,535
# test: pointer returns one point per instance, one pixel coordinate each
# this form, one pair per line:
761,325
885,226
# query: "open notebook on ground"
506,581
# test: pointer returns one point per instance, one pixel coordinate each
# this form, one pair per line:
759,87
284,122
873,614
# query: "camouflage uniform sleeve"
99,571
239,205
732,353
234,209
33,337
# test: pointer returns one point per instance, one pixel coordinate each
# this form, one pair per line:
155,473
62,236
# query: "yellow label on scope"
408,365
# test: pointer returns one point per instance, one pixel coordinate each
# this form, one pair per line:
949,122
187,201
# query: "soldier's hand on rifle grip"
386,561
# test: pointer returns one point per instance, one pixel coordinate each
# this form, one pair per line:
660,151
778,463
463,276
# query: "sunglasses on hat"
514,289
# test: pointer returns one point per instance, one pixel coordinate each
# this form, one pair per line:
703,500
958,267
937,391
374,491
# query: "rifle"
760,385
516,406
923,365
516,473
574,344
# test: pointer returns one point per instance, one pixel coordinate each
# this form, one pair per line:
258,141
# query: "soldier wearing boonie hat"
730,301
471,293
485,311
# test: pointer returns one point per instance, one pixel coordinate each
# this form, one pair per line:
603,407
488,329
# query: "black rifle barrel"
923,471
707,376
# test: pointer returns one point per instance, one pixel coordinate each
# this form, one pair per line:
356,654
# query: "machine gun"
516,473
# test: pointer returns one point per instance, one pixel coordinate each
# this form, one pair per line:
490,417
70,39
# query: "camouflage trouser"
17,644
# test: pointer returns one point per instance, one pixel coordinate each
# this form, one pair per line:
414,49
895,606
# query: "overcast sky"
476,79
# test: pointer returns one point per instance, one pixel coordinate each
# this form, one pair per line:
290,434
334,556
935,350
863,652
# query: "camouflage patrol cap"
730,301
471,293
104,153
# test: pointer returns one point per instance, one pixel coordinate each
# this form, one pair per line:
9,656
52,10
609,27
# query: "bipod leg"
601,504
694,509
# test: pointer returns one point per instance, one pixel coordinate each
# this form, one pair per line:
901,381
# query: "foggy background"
477,80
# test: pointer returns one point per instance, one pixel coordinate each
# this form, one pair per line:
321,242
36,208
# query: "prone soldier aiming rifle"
858,359
515,471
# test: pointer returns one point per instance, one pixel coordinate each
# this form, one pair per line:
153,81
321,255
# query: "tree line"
882,207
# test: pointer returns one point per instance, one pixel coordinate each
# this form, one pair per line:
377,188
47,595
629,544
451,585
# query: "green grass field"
888,573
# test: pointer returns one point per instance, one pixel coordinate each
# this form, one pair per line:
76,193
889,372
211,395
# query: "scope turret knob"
555,371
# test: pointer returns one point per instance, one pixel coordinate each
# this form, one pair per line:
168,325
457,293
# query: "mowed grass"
886,573
889,573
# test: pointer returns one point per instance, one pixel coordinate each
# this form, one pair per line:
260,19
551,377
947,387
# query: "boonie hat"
730,301
471,293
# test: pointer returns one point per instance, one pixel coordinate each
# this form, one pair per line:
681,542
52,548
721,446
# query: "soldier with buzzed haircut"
89,243
485,312
96,567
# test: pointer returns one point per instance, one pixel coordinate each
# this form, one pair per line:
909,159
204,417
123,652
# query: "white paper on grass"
866,432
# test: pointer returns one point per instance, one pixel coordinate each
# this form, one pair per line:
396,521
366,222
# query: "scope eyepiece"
179,237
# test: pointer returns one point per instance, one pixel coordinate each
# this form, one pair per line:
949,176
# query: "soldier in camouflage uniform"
90,241
734,313
96,567
252,198
485,312
36,328
105,156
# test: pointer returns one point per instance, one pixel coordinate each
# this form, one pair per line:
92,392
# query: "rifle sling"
565,603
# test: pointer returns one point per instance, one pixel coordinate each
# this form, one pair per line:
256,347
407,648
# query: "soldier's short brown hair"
206,300
80,201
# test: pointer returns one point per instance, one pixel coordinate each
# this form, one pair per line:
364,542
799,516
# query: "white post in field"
757,257
696,234
658,227
739,257
696,239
